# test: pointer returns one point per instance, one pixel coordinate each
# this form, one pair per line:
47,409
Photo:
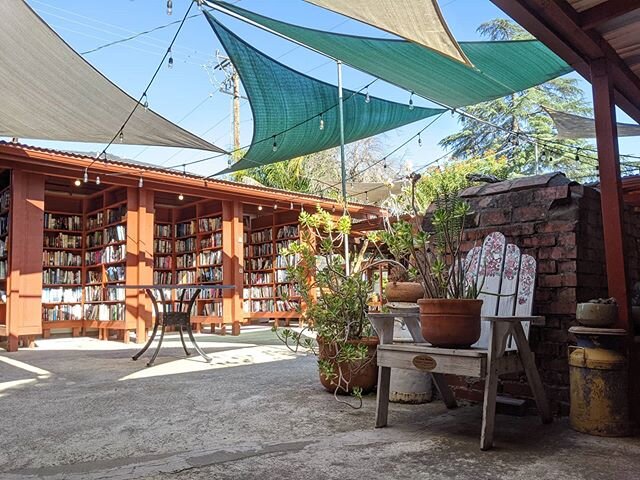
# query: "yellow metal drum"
599,391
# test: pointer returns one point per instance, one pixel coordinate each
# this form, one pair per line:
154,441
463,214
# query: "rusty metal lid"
597,359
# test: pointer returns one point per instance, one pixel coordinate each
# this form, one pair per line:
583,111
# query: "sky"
189,95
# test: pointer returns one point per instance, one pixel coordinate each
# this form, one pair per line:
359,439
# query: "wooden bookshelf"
5,236
62,265
266,277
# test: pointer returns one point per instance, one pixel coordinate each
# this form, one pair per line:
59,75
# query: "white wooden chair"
507,279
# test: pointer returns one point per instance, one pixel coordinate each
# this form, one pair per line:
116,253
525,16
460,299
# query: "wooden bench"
507,280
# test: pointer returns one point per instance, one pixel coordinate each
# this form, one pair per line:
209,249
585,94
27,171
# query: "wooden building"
64,241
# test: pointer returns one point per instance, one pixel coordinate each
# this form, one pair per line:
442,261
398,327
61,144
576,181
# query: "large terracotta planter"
363,373
409,292
452,323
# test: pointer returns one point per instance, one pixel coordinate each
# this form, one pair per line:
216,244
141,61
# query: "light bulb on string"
321,122
97,179
577,154
85,178
77,183
140,182
260,207
291,206
275,206
543,156
121,137
180,197
170,61
200,4
275,144
145,102
384,163
169,7
367,97
419,140
411,101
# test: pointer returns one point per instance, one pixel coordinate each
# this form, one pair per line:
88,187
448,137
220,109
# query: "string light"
260,207
543,156
180,197
291,206
121,137
275,206
321,122
170,61
140,182
367,98
98,180
85,179
275,144
200,4
384,163
419,140
577,154
145,102
169,7
411,101
77,183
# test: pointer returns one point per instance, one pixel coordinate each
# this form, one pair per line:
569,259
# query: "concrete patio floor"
82,409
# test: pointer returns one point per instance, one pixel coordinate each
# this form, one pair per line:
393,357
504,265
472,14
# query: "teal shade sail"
295,115
499,68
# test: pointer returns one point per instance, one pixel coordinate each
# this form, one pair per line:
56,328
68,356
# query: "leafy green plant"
334,299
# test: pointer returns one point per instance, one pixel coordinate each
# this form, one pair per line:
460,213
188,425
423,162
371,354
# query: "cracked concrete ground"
82,409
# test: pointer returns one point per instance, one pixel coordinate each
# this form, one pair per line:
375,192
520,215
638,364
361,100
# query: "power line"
144,93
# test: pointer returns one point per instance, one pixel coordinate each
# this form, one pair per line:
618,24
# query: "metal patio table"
179,318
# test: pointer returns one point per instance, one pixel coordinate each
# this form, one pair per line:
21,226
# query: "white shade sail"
50,92
571,126
373,192
419,21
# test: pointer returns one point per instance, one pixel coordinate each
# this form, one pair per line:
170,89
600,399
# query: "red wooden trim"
611,191
602,13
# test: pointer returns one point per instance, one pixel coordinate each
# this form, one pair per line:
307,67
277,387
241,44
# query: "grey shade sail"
50,92
571,126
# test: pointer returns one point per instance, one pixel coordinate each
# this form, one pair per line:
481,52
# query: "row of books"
4,225
210,258
287,291
209,224
258,306
3,247
212,241
186,261
62,313
259,278
163,246
282,276
95,239
286,261
163,262
282,244
262,236
257,292
61,259
114,294
57,276
162,231
5,199
262,249
63,240
3,269
261,263
186,276
162,278
287,306
93,293
117,233
115,273
210,274
186,228
288,231
62,295
188,245
105,312
114,253
116,214
95,221
213,309
62,222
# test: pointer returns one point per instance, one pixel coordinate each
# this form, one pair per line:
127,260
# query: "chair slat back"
505,279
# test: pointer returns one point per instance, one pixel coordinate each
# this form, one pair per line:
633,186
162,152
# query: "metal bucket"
407,386
598,384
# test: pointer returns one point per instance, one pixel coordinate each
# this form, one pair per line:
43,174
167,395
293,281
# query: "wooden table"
180,318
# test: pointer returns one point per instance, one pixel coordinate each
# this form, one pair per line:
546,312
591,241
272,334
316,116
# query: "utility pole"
231,86
343,164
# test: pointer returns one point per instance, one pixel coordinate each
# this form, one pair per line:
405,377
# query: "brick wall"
560,224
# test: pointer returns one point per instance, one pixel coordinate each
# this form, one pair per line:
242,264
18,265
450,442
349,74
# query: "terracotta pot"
362,373
452,323
409,292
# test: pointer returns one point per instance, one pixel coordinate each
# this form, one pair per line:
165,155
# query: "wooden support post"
611,190
24,282
146,216
232,264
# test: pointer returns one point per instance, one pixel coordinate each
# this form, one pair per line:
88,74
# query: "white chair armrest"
535,320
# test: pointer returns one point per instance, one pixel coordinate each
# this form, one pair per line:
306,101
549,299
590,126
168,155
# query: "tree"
522,112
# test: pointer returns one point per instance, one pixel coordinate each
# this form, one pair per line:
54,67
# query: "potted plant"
335,305
450,310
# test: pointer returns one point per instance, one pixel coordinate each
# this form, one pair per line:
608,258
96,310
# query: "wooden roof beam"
600,14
